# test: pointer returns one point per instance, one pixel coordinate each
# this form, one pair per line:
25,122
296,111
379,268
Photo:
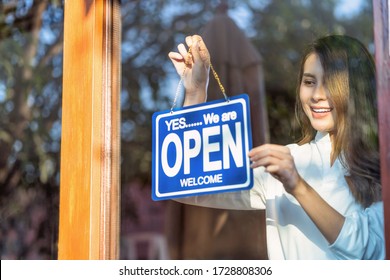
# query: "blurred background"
31,40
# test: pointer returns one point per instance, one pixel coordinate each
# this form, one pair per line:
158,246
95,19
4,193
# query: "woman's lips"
320,112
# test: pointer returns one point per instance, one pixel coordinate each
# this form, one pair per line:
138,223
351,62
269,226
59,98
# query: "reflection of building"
240,68
143,236
171,230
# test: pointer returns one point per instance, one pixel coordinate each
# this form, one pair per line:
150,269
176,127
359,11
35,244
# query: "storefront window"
31,66
30,127
278,31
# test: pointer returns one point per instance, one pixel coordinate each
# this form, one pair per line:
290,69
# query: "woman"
322,196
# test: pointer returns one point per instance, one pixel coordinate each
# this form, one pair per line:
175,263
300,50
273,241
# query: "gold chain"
218,81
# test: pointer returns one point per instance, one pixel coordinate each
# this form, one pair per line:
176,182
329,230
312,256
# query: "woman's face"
315,97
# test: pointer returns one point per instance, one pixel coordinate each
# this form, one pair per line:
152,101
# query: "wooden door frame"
90,143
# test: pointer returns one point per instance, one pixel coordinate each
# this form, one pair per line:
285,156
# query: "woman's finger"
189,41
202,50
258,154
266,161
269,147
182,50
175,56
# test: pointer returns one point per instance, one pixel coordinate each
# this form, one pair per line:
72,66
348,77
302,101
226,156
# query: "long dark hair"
349,75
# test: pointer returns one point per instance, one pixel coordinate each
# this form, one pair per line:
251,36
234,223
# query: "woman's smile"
320,112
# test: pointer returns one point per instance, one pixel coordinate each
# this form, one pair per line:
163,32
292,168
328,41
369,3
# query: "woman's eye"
308,82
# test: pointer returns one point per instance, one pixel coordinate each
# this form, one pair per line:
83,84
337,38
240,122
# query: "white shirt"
290,232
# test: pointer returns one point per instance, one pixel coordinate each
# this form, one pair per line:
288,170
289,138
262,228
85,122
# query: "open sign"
202,149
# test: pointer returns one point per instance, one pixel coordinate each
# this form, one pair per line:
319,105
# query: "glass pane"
30,127
279,31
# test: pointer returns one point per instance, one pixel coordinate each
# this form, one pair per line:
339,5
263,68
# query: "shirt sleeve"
238,200
362,235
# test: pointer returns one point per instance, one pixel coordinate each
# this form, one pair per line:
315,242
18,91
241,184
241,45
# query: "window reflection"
30,118
279,31
30,127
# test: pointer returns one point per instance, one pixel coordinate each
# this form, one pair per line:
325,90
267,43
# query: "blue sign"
202,149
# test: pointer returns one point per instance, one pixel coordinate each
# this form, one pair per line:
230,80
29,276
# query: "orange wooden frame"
89,182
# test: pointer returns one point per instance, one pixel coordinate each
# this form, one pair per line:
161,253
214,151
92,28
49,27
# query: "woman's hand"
193,67
279,162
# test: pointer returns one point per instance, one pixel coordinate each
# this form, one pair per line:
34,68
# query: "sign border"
242,99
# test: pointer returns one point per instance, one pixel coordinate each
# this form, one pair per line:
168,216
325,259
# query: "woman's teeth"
321,110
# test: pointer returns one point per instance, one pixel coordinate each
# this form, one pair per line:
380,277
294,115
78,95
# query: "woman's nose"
319,93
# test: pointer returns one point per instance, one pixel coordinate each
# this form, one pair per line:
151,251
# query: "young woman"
322,196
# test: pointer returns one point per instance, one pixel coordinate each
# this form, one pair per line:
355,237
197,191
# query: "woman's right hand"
193,67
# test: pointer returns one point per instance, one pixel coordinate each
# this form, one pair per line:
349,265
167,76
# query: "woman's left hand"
279,162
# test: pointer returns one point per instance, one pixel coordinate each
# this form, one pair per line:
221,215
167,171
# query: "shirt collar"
322,137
